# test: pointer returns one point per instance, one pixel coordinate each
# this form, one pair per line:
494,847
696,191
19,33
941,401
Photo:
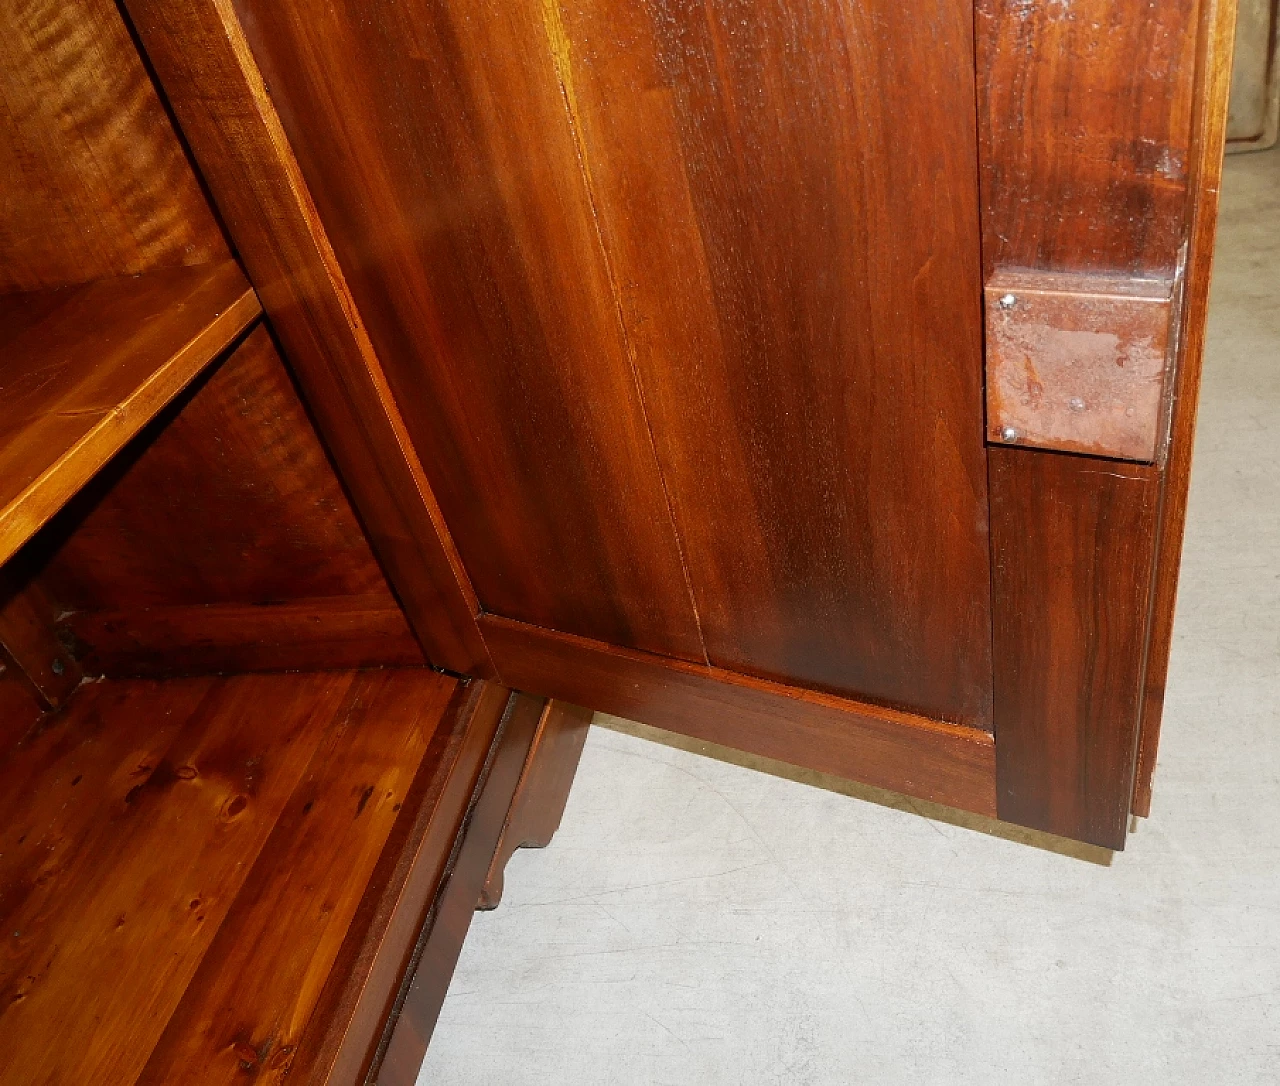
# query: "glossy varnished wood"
94,178
809,353
83,369
188,865
1084,116
945,763
1215,40
215,89
1072,541
223,541
400,1056
471,247
542,792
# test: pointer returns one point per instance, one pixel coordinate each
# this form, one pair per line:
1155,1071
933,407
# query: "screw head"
1075,403
57,667
1007,301
1009,434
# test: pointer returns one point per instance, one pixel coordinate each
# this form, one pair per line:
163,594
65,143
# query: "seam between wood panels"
333,270
559,44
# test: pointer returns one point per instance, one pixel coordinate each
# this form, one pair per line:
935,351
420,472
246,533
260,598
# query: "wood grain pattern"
216,91
1073,543
85,368
790,229
542,791
223,541
29,638
375,962
414,1019
1084,120
187,864
95,181
326,633
20,709
1216,40
471,248
944,763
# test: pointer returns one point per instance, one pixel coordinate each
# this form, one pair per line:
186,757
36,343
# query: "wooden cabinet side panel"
1073,540
203,63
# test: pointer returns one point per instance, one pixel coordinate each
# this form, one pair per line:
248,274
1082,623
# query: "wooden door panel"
787,194
539,204
435,141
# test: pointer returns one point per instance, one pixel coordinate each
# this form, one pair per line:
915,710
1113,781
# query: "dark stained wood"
1213,84
83,369
471,248
1084,120
95,181
1073,542
414,1019
810,360
198,867
216,92
374,962
945,763
223,541
20,708
328,633
29,638
542,792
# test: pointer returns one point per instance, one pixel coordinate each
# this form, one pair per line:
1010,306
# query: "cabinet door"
681,304
665,323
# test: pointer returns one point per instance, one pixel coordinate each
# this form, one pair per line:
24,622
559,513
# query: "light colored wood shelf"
83,369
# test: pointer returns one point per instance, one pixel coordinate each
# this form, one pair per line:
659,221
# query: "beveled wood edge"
944,763
541,792
67,475
1214,48
398,1058
347,1022
204,64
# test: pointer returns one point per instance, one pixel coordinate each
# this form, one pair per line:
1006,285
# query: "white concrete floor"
696,921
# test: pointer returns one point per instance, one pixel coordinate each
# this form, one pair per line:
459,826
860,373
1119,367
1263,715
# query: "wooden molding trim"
943,763
199,53
1215,46
328,634
542,792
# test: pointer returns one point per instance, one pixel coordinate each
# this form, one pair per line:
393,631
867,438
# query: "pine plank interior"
182,861
84,368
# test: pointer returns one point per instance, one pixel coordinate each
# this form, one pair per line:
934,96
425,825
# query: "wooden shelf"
208,879
83,369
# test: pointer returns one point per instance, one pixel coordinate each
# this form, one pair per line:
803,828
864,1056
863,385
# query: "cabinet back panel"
717,265
225,528
95,181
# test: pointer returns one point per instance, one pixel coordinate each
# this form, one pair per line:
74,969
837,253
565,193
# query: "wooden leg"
542,792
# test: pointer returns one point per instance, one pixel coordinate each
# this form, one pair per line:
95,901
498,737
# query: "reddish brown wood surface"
326,633
375,961
217,94
695,207
29,637
405,1045
1213,84
94,178
542,792
223,541
888,749
192,866
1072,541
20,708
1084,120
83,369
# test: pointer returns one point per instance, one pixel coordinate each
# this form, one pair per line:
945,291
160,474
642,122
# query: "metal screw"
1076,404
58,667
1007,301
1009,434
